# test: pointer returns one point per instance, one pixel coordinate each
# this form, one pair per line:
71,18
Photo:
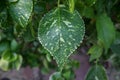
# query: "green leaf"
56,76
14,45
18,62
21,11
3,46
6,55
105,30
87,10
4,64
96,73
61,32
95,52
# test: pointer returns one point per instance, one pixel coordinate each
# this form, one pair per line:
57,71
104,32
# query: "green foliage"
95,52
10,60
24,31
96,72
21,11
105,30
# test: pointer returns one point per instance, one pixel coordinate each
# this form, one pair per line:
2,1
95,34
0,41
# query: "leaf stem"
58,3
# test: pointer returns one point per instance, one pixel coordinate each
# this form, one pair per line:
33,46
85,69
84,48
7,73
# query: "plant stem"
58,3
71,5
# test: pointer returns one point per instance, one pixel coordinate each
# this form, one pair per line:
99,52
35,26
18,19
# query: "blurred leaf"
105,31
56,76
96,73
67,75
87,10
21,11
95,52
48,56
100,6
58,33
14,45
6,55
18,62
4,64
3,46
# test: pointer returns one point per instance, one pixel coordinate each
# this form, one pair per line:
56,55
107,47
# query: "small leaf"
21,11
56,76
105,30
95,52
96,73
14,45
87,10
60,32
18,62
4,45
4,64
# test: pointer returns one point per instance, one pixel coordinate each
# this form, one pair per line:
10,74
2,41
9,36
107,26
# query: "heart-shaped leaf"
60,32
21,11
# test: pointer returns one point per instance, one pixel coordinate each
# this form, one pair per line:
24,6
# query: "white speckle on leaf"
61,39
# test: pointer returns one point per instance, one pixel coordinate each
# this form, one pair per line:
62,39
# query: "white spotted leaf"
20,11
61,32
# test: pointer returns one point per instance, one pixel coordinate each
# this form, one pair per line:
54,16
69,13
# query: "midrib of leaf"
60,33
59,19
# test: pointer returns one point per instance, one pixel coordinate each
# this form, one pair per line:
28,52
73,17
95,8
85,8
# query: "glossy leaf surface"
21,11
61,32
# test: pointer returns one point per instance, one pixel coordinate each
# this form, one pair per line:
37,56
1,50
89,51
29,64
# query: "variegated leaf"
60,32
21,11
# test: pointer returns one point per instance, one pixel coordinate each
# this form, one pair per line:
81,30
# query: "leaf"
14,45
60,32
21,11
95,52
18,62
3,46
87,10
10,59
56,76
4,64
105,31
96,73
